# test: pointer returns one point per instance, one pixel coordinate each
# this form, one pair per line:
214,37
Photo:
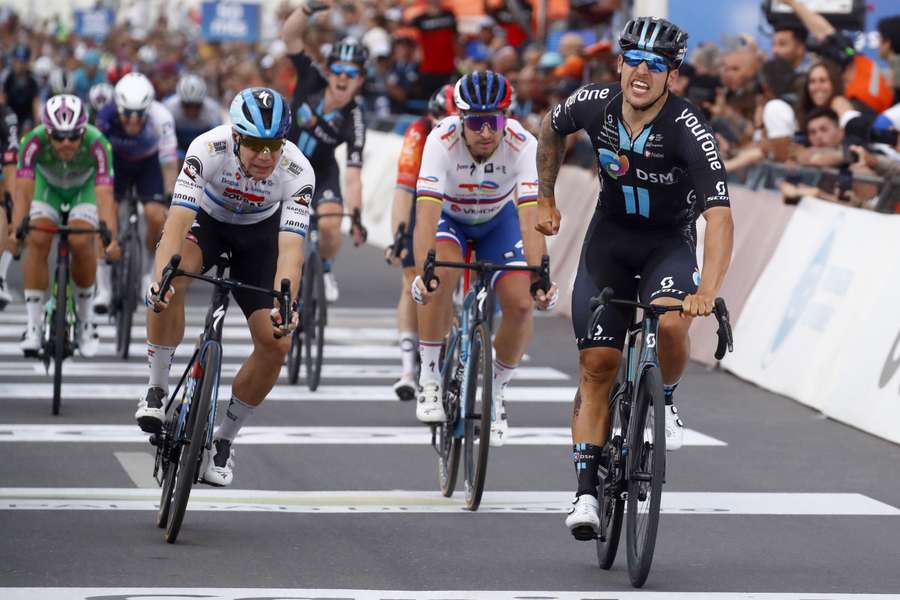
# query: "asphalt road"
335,493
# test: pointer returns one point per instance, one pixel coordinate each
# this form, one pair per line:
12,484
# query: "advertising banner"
94,23
230,21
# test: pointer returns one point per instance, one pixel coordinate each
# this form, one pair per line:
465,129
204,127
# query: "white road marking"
234,350
282,392
347,594
411,502
238,332
405,436
120,370
139,467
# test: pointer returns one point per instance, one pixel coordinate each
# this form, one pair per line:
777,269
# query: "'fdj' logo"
611,163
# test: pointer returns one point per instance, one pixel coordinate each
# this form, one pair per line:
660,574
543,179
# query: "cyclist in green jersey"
64,165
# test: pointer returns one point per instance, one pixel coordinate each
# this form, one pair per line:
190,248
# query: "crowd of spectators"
811,102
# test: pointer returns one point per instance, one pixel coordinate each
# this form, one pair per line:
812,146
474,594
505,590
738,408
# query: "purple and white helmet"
64,113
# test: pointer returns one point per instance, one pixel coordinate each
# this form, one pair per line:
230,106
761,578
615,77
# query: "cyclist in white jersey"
193,110
477,184
243,189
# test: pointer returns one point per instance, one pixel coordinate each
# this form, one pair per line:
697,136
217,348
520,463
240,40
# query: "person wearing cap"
89,74
21,89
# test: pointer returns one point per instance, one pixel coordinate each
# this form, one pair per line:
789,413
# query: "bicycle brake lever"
105,235
428,272
285,301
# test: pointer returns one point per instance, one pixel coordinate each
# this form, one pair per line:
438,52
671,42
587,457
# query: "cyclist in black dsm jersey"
9,156
326,116
660,168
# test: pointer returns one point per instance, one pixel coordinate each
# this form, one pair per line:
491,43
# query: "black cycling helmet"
441,103
348,50
655,35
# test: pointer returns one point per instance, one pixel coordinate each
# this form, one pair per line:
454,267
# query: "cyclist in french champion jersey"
193,110
326,116
403,211
246,190
477,186
660,169
142,134
65,166
9,155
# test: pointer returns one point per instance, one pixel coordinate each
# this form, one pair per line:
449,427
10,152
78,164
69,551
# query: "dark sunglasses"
348,70
655,62
72,136
128,114
495,122
261,144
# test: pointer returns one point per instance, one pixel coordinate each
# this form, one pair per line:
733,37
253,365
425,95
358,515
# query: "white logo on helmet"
266,99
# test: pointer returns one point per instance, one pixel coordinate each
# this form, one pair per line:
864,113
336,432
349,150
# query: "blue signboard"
94,23
230,22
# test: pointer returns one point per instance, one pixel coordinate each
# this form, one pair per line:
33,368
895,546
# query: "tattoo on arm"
550,152
576,408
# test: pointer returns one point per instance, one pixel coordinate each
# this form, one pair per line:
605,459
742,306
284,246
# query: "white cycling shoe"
102,300
406,388
31,340
584,519
88,339
150,414
430,407
499,422
332,293
218,469
5,297
674,428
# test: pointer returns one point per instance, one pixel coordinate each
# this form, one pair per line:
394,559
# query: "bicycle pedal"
31,353
584,533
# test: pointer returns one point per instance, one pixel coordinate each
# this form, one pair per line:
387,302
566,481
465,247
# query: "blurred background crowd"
804,102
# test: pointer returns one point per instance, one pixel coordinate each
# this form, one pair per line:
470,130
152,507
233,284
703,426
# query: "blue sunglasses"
655,62
349,71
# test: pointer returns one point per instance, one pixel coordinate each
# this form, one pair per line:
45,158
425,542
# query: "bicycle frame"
636,364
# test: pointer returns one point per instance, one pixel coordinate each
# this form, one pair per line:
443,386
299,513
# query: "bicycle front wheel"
449,444
171,452
60,335
647,468
206,377
478,404
128,290
295,356
314,316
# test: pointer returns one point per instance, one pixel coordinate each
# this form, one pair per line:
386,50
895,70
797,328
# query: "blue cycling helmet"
261,113
482,91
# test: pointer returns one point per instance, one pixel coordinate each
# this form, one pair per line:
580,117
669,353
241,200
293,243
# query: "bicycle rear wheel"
448,443
612,505
295,356
206,376
60,333
647,468
128,294
314,316
478,402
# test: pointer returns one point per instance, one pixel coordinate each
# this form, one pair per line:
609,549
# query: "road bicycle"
59,317
310,335
633,465
126,276
190,418
467,377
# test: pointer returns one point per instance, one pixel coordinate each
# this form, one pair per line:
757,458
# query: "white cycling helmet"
64,113
61,82
191,89
134,92
42,67
100,95
147,54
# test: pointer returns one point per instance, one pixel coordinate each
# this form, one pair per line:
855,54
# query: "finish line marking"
344,594
281,392
259,435
416,502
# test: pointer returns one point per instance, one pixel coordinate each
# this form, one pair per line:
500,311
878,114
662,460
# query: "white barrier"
819,325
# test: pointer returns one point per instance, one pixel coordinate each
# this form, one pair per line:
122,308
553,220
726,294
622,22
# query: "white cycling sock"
34,306
503,372
235,416
160,358
83,297
409,347
104,276
431,355
5,258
